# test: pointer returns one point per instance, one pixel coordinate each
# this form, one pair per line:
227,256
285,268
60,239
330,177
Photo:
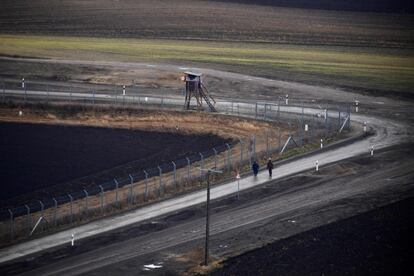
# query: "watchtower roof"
192,74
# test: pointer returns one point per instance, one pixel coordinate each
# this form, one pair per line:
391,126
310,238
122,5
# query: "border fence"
303,124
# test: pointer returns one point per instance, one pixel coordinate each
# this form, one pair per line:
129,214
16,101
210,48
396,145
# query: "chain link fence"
300,124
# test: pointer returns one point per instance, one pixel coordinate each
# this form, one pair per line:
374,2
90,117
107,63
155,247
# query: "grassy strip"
361,67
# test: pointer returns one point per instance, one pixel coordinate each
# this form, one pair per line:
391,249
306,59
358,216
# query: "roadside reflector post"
317,165
287,99
372,150
23,83
116,192
72,240
306,127
356,106
123,90
365,126
321,143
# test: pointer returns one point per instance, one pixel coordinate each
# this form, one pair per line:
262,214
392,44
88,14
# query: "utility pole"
206,247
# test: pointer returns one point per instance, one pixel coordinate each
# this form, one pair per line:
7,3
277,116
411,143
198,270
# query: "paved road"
387,133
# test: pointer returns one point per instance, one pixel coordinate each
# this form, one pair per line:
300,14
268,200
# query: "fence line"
306,125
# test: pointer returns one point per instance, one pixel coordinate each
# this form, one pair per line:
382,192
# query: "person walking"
270,166
255,168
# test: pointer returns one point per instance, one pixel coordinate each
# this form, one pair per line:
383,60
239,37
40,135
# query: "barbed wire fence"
299,124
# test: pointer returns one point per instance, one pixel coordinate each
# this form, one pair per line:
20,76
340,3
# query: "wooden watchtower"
194,87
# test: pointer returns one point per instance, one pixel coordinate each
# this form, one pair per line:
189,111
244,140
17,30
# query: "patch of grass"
359,67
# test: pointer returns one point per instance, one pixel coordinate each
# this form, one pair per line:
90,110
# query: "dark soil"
216,20
378,242
42,158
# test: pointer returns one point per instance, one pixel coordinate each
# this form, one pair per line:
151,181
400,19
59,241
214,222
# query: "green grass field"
365,68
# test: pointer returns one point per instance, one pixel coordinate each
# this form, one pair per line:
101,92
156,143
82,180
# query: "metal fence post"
228,156
146,186
339,118
93,97
280,139
71,208
255,111
42,208
55,212
254,146
116,193
175,174
29,219
160,190
131,192
11,225
265,111
215,158
188,168
201,164
102,198
86,200
241,149
267,144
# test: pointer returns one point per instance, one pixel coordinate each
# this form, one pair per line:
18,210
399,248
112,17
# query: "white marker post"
306,127
365,126
326,113
72,241
317,165
22,82
123,90
238,185
287,99
321,143
372,150
356,106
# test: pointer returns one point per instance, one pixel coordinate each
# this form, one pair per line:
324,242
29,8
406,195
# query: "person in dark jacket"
255,168
270,166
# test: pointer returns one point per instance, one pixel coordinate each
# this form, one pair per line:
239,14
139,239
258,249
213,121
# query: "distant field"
211,20
365,68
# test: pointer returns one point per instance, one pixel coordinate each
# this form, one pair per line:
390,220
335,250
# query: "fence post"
102,198
267,144
86,200
201,164
278,110
215,158
241,150
255,111
146,186
175,174
71,208
265,110
131,195
29,219
254,146
280,139
116,193
93,97
188,168
228,156
11,225
339,118
55,212
42,208
160,190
